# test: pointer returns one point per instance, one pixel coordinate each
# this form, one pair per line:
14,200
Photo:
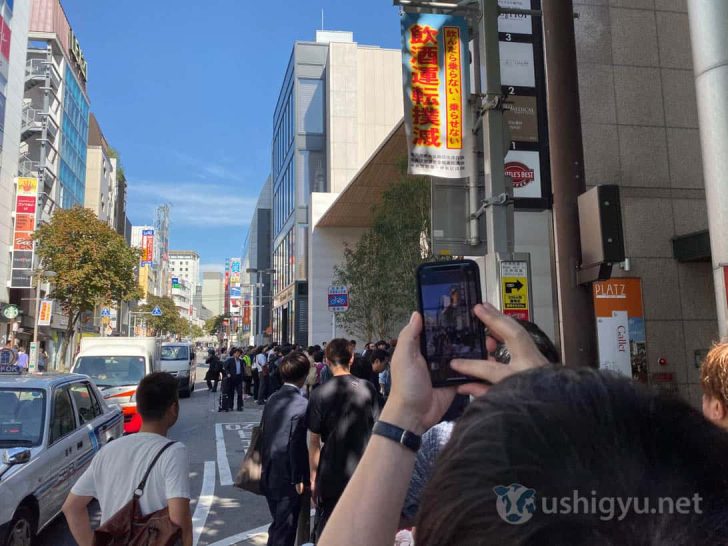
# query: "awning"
353,206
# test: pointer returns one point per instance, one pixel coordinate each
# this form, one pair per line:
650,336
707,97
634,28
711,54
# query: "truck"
116,365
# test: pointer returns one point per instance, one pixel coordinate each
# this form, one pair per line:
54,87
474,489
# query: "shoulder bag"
251,469
129,527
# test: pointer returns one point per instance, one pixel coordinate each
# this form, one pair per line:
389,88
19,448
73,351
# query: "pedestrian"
42,360
546,446
361,367
714,382
284,454
214,370
235,372
341,413
248,373
380,366
118,468
22,362
257,368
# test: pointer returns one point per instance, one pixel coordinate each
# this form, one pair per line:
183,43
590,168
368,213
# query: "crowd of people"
386,457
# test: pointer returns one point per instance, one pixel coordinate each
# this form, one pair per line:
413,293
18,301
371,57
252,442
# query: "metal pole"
499,218
709,38
333,325
576,307
37,310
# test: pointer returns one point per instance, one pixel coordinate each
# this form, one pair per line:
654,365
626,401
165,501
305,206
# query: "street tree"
214,325
169,322
93,263
380,269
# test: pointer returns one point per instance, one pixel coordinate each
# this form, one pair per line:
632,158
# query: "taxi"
51,426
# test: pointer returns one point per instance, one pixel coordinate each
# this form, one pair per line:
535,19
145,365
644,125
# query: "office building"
14,21
185,264
338,101
257,268
101,177
213,292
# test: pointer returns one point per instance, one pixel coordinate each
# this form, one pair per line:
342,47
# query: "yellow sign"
514,289
46,311
28,186
105,320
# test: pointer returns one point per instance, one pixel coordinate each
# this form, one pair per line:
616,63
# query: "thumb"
410,334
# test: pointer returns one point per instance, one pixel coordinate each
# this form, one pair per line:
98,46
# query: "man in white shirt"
22,359
119,467
261,360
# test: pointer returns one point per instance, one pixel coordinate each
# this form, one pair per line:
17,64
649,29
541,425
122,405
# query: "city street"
222,514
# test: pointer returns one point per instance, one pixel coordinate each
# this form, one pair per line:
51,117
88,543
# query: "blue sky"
185,90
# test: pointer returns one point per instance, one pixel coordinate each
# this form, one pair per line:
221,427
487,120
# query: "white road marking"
204,503
226,477
240,537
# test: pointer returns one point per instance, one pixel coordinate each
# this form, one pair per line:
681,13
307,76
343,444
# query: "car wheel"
22,528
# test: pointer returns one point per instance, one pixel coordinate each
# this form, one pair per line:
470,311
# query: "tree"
196,331
380,269
214,325
169,322
93,263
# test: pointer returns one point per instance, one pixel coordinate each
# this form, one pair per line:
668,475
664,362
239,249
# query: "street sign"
515,289
46,313
156,312
33,357
338,299
106,312
11,312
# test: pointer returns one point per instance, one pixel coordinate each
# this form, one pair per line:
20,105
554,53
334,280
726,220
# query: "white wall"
11,141
326,251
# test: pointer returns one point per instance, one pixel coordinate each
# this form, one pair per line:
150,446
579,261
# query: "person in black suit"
284,453
235,372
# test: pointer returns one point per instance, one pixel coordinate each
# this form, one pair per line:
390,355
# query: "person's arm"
180,514
381,478
314,454
298,454
76,511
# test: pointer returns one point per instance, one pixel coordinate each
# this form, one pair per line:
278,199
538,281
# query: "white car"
51,426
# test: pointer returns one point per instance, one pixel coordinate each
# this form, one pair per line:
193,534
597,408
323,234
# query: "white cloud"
218,268
194,203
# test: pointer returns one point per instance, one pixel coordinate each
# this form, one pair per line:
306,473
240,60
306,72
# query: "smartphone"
447,292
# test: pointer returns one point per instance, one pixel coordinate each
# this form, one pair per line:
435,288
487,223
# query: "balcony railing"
33,121
37,70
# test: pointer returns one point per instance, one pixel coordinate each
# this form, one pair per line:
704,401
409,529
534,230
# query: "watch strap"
408,439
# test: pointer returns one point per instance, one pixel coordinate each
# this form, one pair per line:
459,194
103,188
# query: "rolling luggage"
226,394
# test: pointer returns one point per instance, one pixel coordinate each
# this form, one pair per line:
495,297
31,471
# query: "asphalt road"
223,514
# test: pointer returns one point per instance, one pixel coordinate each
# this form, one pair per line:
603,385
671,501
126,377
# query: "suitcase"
226,394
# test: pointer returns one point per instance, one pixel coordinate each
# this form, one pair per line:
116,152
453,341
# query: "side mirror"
17,455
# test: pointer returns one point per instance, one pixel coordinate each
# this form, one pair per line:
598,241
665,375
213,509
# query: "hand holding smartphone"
447,293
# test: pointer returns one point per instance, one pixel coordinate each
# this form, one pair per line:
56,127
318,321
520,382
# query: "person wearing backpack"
120,466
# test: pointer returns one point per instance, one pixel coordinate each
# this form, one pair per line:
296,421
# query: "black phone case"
459,379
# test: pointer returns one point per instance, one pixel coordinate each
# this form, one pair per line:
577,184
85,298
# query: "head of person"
714,381
294,368
379,359
542,341
352,345
211,352
236,352
338,353
157,399
383,345
454,296
318,355
542,444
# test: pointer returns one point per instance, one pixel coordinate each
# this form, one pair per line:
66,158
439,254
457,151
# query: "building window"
311,106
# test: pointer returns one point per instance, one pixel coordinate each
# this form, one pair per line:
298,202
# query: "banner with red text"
435,74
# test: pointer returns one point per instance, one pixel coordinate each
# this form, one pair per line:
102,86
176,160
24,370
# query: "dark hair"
294,367
565,433
338,352
378,354
318,356
352,341
155,394
542,341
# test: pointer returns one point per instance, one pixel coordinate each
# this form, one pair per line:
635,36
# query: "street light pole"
40,275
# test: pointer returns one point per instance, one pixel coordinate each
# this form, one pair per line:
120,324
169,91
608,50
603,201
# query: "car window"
62,420
87,406
175,352
21,417
112,371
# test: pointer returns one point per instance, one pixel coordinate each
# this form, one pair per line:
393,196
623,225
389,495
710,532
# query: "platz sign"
338,299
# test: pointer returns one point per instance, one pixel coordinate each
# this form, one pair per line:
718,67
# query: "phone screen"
448,291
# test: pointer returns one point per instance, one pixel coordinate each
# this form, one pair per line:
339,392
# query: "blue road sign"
338,299
106,312
156,312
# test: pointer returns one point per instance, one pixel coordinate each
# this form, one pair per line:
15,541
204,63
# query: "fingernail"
412,317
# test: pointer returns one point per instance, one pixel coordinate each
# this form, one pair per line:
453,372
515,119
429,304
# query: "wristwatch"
408,439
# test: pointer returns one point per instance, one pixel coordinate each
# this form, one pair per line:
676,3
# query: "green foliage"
93,263
380,269
170,322
214,325
196,331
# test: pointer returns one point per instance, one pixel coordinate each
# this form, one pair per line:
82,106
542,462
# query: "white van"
117,365
178,359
